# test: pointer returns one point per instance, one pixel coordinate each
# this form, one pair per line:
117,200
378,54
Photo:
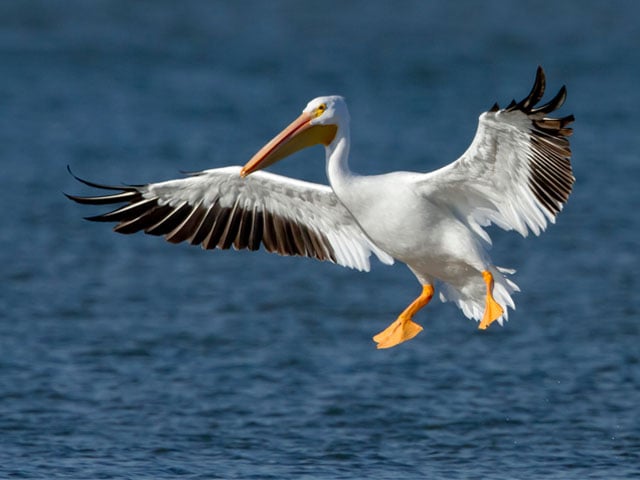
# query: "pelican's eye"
320,110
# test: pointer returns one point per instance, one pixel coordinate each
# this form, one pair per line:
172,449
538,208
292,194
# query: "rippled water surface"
125,357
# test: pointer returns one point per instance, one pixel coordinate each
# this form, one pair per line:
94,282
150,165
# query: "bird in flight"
516,174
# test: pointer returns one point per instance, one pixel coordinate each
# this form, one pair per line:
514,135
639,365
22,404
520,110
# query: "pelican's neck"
337,153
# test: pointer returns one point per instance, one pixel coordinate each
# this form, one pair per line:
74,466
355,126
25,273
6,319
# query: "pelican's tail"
471,298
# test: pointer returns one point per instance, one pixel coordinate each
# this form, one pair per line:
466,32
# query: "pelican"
516,174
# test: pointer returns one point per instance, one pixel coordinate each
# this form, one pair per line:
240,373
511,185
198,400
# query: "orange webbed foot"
401,330
404,328
493,310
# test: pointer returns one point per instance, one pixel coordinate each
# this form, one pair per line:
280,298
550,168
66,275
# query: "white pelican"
515,174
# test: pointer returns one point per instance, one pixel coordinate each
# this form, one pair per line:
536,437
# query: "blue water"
125,357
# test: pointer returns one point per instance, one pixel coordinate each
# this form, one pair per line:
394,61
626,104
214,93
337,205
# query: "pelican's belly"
415,231
430,243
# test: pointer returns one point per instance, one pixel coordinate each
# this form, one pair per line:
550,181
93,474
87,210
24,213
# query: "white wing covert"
517,171
219,209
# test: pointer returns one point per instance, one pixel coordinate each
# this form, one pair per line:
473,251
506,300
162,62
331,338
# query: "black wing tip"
81,180
121,188
125,193
540,79
528,104
96,218
535,95
75,198
554,104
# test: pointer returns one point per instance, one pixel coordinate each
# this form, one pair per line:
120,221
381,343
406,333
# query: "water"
125,357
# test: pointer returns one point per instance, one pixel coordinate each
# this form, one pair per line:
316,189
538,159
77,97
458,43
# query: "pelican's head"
318,124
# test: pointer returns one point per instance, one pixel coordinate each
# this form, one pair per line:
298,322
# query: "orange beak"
298,135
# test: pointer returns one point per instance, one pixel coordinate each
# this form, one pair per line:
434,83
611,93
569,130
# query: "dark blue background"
125,357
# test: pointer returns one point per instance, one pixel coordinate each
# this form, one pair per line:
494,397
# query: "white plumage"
294,201
516,174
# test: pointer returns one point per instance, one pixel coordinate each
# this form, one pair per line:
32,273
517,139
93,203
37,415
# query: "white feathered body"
438,246
515,174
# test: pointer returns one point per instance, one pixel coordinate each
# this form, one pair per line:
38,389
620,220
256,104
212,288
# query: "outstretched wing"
219,209
517,171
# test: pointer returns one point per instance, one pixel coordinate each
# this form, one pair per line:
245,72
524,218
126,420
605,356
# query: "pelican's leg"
404,328
492,310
